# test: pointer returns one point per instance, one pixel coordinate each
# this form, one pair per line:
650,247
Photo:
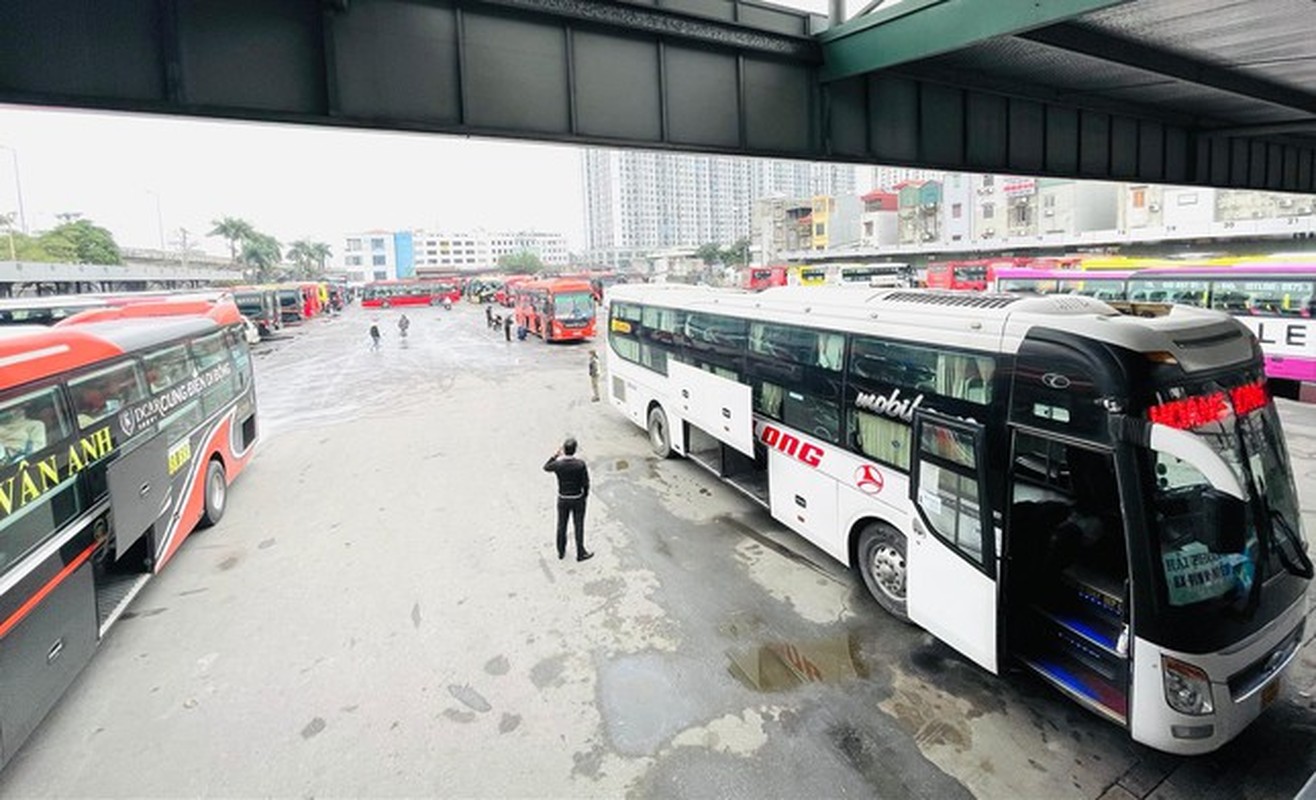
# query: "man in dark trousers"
507,327
572,491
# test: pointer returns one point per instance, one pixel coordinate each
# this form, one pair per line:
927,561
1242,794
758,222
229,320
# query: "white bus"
1104,499
876,274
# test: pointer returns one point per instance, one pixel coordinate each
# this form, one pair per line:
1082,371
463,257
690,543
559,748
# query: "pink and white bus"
1275,301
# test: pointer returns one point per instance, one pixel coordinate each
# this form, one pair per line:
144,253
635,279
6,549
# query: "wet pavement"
381,613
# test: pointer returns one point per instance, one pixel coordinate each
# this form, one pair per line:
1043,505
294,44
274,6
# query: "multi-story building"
1072,208
374,255
885,179
386,255
919,212
879,221
638,201
957,208
780,226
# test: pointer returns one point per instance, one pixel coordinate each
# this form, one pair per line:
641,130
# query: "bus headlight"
1187,689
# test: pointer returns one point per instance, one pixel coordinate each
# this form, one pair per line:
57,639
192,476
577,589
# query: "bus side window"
165,368
102,393
30,424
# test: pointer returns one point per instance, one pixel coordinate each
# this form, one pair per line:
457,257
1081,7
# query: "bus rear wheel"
882,565
660,438
216,488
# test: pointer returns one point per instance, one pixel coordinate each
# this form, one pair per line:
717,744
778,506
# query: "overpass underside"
1172,91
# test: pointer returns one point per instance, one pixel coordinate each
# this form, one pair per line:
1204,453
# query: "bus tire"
216,493
660,436
881,561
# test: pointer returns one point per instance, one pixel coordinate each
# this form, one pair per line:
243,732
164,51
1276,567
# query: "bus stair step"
1078,680
114,593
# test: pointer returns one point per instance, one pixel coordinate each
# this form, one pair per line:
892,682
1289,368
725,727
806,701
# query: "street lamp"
18,188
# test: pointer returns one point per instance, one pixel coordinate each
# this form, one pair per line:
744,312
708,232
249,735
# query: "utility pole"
182,237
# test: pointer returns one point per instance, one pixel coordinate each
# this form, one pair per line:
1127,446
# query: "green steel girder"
918,29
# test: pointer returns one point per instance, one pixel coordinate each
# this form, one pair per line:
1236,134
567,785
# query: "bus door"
951,569
140,491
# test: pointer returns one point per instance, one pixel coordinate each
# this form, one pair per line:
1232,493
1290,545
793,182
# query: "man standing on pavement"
594,373
507,327
572,492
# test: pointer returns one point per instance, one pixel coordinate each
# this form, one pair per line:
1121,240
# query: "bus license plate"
1270,692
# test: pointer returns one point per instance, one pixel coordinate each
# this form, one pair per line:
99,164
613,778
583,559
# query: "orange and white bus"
120,431
556,309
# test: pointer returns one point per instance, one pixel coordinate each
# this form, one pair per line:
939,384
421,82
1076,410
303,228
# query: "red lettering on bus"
810,454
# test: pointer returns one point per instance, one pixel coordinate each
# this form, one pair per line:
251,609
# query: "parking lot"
381,612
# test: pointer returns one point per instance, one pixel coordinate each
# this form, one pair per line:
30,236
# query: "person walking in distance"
488,315
403,324
507,327
572,492
374,336
594,373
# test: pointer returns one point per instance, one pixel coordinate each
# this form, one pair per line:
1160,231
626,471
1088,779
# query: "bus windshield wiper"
1289,537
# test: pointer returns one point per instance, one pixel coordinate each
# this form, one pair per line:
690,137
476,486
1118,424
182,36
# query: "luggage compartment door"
139,491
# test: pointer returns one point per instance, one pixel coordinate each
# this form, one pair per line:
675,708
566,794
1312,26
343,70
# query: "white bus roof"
975,320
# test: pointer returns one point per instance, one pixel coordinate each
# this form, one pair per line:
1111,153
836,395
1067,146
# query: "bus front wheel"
882,565
216,488
660,438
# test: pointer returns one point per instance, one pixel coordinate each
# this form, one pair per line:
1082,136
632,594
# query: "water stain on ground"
457,715
193,591
265,544
549,671
509,723
229,563
605,587
469,697
497,665
313,728
415,615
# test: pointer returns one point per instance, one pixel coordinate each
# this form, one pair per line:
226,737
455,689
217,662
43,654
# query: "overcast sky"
289,181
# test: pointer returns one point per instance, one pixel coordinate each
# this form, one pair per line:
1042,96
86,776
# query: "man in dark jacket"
572,491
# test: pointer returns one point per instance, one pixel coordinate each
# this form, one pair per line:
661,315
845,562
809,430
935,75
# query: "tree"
709,253
301,253
521,261
80,242
262,253
235,231
737,254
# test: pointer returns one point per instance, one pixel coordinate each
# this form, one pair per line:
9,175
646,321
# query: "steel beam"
918,29
672,25
1116,50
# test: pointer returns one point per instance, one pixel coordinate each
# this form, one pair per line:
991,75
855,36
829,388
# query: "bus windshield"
573,306
1214,548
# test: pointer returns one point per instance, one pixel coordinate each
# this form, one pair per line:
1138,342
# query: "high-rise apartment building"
638,201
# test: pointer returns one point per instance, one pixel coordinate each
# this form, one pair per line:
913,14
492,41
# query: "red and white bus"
556,309
1104,500
120,431
760,278
403,293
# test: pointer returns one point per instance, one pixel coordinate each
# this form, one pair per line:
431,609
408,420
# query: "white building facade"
640,201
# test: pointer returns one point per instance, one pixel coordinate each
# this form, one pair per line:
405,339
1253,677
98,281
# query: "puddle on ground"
778,666
620,465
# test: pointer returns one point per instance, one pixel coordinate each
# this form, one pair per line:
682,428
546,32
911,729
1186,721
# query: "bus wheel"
216,493
660,438
882,565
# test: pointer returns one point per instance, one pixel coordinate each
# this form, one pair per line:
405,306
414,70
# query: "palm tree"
263,253
234,230
322,253
309,257
299,253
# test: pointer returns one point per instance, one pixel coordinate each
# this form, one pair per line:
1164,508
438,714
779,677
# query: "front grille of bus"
1247,679
962,299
